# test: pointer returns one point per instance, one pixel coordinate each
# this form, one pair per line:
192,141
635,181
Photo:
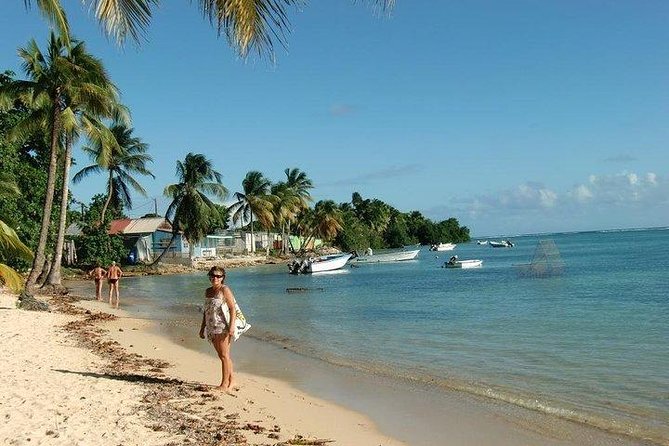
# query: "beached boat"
394,256
319,264
501,244
443,247
455,263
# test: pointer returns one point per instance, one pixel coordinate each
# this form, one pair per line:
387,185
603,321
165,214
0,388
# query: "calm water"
591,345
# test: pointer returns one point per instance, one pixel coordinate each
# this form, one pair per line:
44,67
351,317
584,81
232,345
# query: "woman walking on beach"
218,322
98,273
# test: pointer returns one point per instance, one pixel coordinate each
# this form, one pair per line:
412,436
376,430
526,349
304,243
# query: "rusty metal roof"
139,226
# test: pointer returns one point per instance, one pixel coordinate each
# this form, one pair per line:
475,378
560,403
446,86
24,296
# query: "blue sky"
514,117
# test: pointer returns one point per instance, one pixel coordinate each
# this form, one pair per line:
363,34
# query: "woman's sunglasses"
216,275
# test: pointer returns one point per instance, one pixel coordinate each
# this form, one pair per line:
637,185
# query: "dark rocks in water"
303,290
28,302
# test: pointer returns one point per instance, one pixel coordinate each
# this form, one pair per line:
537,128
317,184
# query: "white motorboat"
482,242
443,247
319,264
464,264
501,244
394,256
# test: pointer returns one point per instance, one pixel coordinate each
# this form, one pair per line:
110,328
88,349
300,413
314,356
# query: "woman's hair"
216,270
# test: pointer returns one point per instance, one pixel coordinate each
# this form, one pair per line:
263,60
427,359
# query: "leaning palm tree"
324,222
10,244
255,200
91,99
53,78
121,159
250,24
191,211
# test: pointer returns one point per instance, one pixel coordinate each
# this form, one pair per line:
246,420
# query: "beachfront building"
228,243
147,238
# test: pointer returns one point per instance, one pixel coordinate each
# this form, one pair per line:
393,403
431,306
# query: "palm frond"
121,18
11,245
54,13
10,278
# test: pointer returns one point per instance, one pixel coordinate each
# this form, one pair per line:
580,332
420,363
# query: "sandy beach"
86,374
61,392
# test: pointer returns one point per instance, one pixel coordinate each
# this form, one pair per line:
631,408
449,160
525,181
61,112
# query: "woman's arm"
202,326
230,301
204,315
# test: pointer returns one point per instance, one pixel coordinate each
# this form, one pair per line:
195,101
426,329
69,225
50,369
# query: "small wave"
526,401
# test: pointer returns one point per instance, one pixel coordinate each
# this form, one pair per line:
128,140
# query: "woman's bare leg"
118,301
222,346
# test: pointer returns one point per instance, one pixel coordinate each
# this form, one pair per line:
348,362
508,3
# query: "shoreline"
166,402
393,413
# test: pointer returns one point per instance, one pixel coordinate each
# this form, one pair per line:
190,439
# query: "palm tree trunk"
109,195
38,260
167,248
54,273
253,243
283,238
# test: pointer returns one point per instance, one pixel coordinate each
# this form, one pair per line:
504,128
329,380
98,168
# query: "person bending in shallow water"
218,322
114,275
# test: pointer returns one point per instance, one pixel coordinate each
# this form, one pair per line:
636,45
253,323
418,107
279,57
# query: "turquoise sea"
591,345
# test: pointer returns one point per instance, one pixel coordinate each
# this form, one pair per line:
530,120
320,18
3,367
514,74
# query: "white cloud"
528,195
621,189
626,198
580,194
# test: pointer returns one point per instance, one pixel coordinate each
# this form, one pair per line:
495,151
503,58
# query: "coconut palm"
191,211
251,24
324,222
54,79
327,220
287,205
301,185
255,200
10,244
122,159
91,99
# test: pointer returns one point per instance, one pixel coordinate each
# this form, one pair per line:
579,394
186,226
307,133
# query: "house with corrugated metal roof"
147,238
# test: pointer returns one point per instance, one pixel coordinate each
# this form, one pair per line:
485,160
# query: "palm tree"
255,200
287,205
246,24
300,184
324,222
191,211
54,78
90,100
10,244
121,159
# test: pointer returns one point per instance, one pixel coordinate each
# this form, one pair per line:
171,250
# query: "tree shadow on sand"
128,377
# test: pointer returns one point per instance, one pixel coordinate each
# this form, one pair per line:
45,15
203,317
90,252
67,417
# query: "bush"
98,246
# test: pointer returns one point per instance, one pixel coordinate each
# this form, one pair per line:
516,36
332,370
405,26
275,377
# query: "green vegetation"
371,223
191,211
10,244
247,25
67,98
